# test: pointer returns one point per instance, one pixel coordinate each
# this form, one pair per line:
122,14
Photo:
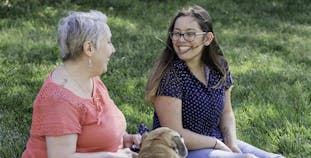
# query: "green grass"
267,43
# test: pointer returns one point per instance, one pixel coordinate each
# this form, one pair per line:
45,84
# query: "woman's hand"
221,146
235,148
131,139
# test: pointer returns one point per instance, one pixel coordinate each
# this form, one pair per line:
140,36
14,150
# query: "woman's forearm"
228,128
196,141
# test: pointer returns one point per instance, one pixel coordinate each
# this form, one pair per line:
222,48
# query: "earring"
207,44
90,62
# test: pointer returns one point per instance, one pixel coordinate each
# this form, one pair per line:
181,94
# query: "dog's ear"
180,146
143,137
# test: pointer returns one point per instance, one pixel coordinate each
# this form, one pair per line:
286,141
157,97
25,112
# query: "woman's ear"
210,38
88,48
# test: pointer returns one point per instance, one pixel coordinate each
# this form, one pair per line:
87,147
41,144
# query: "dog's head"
163,141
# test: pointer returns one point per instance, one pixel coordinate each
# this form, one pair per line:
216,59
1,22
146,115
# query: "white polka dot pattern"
201,105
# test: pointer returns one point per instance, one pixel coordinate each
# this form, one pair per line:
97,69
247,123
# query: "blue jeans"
244,147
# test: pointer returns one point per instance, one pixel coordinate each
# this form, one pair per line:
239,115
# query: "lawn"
267,44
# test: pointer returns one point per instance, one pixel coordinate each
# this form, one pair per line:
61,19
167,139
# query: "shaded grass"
266,42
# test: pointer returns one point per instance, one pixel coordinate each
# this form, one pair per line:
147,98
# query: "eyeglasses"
188,36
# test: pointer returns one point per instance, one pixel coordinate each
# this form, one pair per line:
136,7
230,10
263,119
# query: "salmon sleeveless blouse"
99,123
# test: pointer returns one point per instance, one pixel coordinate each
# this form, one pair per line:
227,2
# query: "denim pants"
244,147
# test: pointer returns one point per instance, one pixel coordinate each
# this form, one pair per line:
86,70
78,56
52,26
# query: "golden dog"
162,143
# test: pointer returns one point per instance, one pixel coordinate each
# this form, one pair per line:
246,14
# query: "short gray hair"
77,28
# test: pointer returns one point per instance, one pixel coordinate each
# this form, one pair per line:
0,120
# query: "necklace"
87,91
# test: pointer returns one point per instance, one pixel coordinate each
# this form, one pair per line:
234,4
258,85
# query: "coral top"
100,125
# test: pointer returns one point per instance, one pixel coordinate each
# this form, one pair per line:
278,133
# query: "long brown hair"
212,55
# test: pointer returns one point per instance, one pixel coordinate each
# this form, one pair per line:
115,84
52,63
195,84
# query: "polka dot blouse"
202,105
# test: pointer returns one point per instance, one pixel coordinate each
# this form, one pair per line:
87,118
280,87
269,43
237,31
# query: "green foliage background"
267,43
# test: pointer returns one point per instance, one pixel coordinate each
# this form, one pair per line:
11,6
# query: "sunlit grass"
125,24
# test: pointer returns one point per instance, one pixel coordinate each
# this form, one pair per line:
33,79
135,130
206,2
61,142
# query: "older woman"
73,115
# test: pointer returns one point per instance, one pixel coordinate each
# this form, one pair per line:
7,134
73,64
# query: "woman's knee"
198,153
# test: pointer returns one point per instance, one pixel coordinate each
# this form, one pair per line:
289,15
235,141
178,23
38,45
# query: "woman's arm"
169,112
65,147
227,123
131,139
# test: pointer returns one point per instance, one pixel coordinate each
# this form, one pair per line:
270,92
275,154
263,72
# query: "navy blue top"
202,105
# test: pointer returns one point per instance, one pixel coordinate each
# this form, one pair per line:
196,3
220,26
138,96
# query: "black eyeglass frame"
194,34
